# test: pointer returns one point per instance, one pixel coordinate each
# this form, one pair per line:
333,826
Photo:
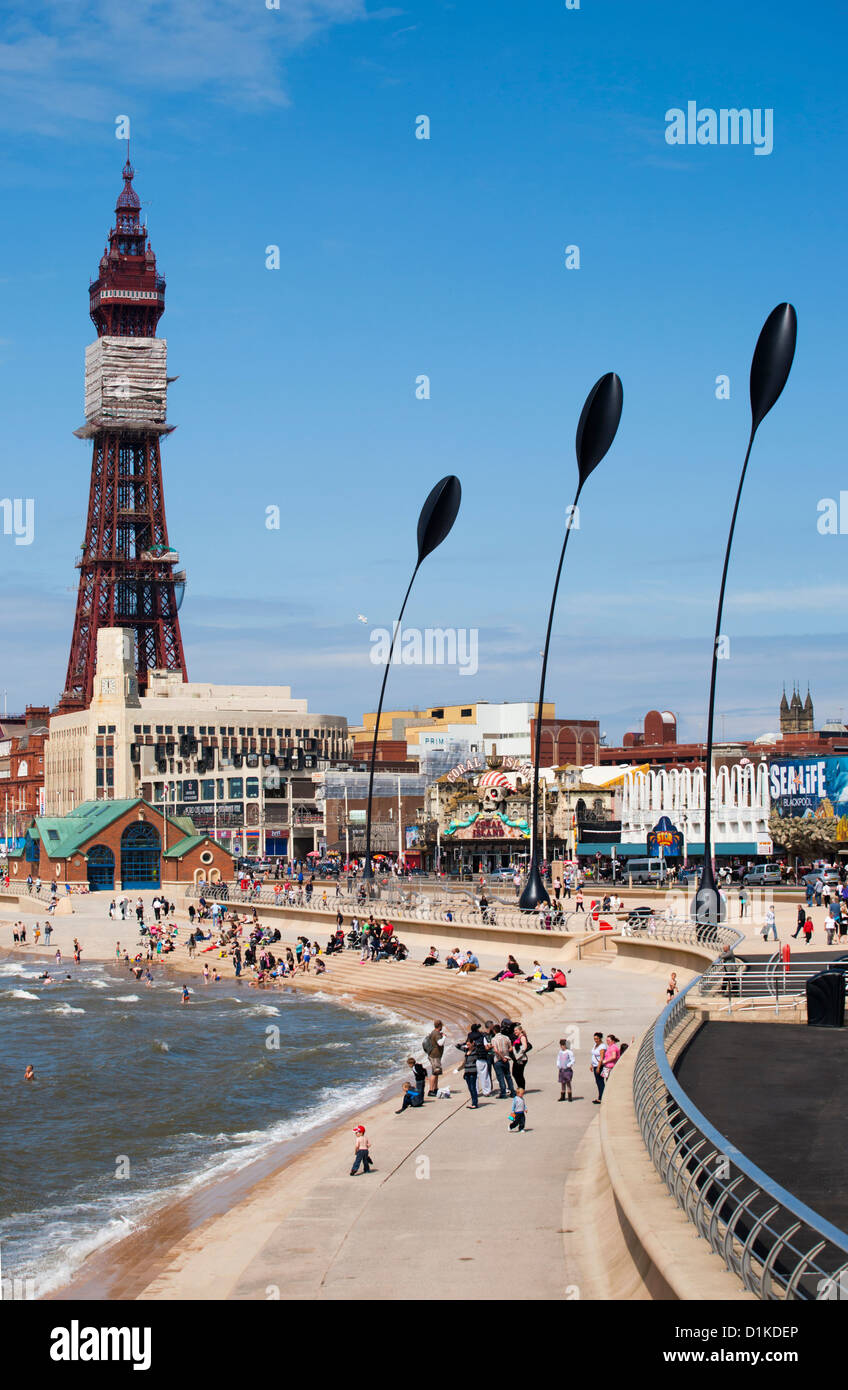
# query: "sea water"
138,1098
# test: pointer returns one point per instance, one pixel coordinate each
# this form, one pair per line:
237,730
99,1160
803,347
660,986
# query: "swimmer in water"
29,1074
186,999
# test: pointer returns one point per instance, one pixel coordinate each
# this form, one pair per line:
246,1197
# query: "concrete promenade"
456,1200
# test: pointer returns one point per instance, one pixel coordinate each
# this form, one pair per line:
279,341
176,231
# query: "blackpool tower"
129,574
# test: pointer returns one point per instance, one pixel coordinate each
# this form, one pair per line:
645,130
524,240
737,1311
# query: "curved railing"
778,1246
418,907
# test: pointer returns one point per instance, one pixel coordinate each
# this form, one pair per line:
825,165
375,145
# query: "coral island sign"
477,763
485,826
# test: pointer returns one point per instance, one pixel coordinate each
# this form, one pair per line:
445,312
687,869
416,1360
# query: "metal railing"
768,980
416,906
774,1243
682,930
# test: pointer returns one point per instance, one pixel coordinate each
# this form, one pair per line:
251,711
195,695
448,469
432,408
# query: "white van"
647,870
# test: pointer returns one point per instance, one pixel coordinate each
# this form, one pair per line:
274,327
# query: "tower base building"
237,759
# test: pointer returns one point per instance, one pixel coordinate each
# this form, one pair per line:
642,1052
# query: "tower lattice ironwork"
129,573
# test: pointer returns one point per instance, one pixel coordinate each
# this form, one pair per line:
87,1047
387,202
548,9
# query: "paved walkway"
457,1202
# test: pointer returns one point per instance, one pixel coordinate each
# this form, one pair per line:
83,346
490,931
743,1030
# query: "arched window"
140,856
101,868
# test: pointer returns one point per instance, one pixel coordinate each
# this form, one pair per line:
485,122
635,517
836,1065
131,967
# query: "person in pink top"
612,1052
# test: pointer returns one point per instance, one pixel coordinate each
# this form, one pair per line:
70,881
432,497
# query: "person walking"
578,900
519,1112
361,1151
597,1065
48,932
802,917
808,930
565,1069
671,988
770,923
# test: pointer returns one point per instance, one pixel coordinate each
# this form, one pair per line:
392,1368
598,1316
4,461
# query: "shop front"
486,842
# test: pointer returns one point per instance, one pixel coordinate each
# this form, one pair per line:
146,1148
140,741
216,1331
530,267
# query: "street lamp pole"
434,523
596,431
770,369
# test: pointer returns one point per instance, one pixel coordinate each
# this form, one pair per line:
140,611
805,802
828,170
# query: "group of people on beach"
492,1054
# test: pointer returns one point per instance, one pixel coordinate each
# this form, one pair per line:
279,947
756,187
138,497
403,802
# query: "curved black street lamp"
596,431
770,369
437,517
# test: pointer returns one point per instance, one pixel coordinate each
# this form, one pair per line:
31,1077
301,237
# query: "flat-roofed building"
237,759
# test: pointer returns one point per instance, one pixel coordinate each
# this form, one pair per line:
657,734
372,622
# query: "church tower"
795,717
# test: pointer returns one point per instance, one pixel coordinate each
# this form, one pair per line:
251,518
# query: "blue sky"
446,257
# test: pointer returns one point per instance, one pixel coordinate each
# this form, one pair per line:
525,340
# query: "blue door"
140,856
101,869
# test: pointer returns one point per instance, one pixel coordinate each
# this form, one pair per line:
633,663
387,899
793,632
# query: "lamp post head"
438,515
772,361
598,423
534,890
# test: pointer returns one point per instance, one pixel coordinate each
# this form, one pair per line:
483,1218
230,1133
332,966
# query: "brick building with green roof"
117,846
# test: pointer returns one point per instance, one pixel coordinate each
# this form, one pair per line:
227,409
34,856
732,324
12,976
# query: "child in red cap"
361,1152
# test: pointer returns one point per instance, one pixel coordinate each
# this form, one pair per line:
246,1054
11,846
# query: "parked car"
647,870
761,875
828,876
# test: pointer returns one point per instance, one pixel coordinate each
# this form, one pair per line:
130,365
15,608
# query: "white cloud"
64,60
818,598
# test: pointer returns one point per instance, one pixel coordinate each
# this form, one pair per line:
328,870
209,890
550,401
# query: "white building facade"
741,808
